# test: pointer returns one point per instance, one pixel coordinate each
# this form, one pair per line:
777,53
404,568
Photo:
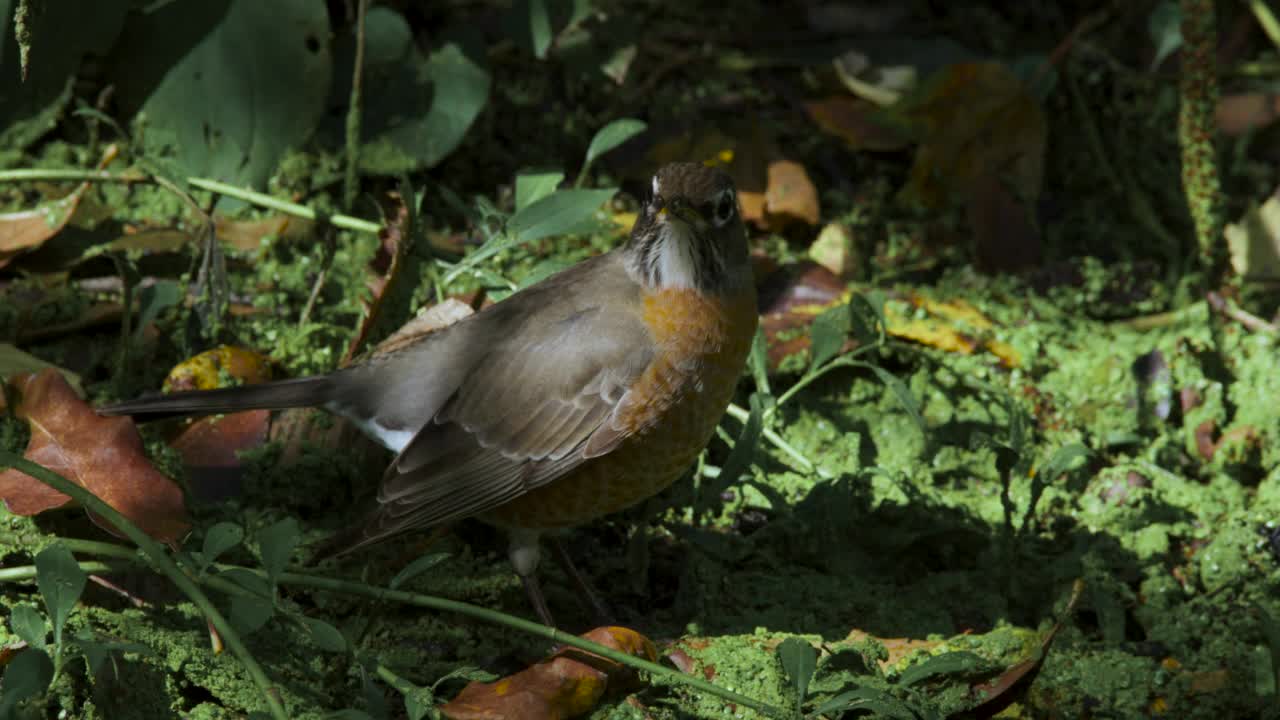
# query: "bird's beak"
678,208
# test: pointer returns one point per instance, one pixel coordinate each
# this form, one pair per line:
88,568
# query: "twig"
1229,310
160,560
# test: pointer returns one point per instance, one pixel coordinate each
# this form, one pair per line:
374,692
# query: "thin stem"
346,222
351,181
160,560
741,414
1267,20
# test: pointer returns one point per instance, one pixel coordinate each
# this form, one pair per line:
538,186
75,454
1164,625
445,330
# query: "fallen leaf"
953,326
896,648
427,320
861,124
389,284
248,234
29,229
1254,242
996,691
789,299
565,685
102,454
1243,112
206,370
210,449
790,196
835,250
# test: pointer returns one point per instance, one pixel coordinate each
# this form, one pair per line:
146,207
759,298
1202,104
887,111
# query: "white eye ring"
725,206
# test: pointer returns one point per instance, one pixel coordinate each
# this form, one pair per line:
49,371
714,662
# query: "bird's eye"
725,208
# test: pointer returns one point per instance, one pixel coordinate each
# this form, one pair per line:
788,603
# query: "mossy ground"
912,536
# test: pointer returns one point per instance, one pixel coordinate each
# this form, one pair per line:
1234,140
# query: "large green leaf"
417,109
226,87
557,213
62,32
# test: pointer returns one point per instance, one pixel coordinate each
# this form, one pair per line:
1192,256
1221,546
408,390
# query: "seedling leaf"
799,661
61,581
416,568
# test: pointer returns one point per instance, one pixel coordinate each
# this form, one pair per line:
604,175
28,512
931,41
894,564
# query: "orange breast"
702,343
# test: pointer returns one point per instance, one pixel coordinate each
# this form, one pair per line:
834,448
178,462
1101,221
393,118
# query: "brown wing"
521,416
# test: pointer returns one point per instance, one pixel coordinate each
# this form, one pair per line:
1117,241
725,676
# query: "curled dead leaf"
203,371
565,685
104,455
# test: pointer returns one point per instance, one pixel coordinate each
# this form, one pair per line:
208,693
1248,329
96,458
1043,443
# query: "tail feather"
300,392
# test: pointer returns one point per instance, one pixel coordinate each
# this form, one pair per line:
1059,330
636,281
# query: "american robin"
574,398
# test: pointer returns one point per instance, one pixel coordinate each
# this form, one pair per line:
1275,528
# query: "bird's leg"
524,553
603,615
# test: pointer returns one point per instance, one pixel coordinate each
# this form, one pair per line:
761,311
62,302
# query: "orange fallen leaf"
203,371
790,196
104,455
565,685
896,648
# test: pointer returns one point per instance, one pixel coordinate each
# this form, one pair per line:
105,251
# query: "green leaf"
276,543
249,580
540,28
14,361
533,185
1271,631
901,393
61,581
218,539
417,567
227,88
419,703
877,701
461,91
611,136
944,664
557,213
325,636
1063,460
758,361
153,300
744,449
249,614
799,661
28,624
866,317
826,335
1164,25
62,33
27,675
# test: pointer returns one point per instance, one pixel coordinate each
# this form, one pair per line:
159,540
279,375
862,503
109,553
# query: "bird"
574,398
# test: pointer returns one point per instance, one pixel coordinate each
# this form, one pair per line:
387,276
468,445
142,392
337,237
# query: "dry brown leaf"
104,455
790,197
1254,242
982,142
203,371
1240,113
386,266
210,450
861,124
29,229
565,685
248,234
790,298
